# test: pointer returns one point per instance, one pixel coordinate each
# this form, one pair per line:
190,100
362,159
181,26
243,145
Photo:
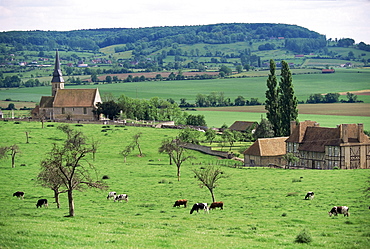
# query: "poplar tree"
271,104
287,100
281,103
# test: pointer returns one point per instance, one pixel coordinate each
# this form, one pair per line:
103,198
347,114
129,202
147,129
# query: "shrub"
303,237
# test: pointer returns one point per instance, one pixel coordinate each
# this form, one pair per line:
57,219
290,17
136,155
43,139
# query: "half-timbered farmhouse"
343,147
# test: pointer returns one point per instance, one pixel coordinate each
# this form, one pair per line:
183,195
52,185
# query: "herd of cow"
196,207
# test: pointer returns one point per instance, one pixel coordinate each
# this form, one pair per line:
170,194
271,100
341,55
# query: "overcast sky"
333,18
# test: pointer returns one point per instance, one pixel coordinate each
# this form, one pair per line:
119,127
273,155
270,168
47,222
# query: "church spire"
57,81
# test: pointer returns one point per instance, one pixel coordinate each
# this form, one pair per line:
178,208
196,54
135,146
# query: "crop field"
264,208
255,87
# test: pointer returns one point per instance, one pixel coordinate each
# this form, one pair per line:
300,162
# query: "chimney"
293,125
360,133
344,131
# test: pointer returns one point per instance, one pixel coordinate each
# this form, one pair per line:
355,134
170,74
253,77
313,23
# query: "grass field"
264,208
304,85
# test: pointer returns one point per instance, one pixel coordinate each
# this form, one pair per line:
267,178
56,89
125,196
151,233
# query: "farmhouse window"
85,110
295,146
336,151
63,110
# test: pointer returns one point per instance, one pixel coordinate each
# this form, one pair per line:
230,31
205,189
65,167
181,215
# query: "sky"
333,18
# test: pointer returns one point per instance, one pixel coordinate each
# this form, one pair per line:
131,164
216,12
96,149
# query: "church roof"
76,98
268,147
46,102
57,74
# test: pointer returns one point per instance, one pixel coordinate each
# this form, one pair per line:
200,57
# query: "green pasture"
218,118
264,208
255,87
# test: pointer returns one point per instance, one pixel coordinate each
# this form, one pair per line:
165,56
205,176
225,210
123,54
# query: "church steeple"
57,81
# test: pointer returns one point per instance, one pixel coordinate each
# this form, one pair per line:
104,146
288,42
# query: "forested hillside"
155,38
104,55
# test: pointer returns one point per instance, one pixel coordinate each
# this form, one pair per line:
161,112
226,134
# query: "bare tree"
209,177
127,151
179,155
14,149
49,177
167,147
136,142
67,164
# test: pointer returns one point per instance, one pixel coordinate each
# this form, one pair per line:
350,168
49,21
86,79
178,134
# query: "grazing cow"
309,195
121,197
339,210
19,194
111,195
215,205
180,202
42,202
199,206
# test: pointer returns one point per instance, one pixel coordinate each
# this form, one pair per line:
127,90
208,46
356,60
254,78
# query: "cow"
309,195
111,195
180,202
121,197
339,210
200,206
215,205
42,202
19,194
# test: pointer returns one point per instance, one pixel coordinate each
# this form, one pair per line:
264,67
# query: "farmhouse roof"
316,138
267,147
297,132
57,74
242,125
76,98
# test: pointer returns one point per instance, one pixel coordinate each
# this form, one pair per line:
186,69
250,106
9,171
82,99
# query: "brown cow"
215,205
180,202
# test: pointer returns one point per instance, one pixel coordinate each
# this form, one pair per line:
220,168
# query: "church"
67,104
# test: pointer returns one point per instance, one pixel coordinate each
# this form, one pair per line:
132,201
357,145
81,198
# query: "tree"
209,177
287,101
136,142
167,147
66,163
272,99
228,136
290,159
210,135
110,109
264,129
189,135
49,178
13,149
127,151
225,70
179,155
108,79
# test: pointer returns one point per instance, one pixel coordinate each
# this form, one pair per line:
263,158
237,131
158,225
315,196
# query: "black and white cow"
19,194
178,203
339,210
199,206
111,195
42,202
121,197
309,195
